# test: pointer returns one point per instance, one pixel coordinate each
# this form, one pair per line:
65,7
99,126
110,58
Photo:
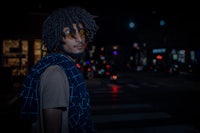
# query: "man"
54,94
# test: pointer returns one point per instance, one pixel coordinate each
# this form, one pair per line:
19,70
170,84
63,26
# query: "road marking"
133,86
155,129
106,91
129,117
121,106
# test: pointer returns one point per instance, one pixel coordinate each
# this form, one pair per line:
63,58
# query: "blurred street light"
131,25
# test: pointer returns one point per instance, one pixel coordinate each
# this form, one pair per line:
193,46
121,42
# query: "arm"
52,120
55,95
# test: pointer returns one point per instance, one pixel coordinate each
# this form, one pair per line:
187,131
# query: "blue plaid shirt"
79,102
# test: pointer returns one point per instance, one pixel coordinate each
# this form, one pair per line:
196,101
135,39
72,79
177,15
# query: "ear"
65,30
63,39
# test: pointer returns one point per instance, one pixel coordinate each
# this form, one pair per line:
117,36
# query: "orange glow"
78,65
159,57
114,77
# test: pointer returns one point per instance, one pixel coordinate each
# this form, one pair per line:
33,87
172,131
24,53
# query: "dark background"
24,19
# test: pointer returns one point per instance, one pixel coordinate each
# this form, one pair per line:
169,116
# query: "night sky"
181,29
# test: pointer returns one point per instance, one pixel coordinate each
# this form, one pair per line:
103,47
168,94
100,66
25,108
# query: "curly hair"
52,29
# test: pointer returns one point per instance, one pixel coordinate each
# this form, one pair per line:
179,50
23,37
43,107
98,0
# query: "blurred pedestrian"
54,93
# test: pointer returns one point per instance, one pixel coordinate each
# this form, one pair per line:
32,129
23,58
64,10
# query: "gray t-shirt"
54,92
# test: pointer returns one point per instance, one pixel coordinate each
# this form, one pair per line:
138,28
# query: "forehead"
76,26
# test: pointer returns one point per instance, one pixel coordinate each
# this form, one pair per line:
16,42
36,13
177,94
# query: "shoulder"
54,71
53,68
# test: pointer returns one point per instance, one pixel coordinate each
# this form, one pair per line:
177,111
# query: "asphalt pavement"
10,108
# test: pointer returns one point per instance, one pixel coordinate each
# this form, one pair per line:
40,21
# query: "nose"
78,37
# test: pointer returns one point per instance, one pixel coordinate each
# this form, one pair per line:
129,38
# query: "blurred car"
114,76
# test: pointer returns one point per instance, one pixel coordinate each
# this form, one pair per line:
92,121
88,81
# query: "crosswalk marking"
128,117
131,117
156,129
121,106
133,86
105,91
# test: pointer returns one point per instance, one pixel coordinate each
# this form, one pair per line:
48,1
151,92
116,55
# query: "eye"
69,35
82,33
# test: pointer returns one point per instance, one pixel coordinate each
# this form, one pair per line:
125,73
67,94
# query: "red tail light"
107,73
89,69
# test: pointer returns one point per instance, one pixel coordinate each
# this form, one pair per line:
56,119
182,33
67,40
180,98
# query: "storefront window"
15,56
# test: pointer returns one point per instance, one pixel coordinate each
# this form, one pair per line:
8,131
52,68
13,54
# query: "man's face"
74,42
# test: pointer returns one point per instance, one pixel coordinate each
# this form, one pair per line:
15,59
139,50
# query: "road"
146,103
137,103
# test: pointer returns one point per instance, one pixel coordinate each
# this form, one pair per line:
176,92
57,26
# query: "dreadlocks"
52,30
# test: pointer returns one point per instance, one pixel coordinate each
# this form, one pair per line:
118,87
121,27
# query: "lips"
79,47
